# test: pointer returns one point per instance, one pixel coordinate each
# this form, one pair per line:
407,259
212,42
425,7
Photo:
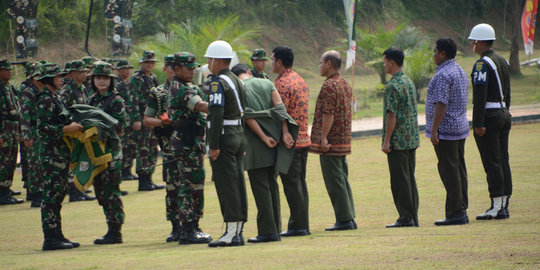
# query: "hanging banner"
528,25
350,15
24,12
119,11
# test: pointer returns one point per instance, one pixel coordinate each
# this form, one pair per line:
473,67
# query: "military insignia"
479,66
214,86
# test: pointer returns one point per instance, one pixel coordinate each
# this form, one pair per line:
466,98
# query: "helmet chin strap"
474,46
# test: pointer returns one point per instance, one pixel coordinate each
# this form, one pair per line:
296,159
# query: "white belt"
495,105
235,122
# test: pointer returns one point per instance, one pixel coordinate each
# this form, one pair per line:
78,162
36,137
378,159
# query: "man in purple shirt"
447,127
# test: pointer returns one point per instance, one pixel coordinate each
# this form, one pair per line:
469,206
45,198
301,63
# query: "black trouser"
493,148
228,175
266,193
336,174
453,172
295,189
402,164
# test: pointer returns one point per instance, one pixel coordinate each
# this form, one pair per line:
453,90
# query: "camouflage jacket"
52,116
28,101
113,104
140,85
71,94
158,100
9,110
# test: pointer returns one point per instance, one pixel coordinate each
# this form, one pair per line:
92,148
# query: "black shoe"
398,224
175,233
354,224
113,235
124,193
342,226
145,184
36,200
190,236
62,238
158,186
87,197
52,242
460,218
10,200
88,191
15,192
301,232
265,238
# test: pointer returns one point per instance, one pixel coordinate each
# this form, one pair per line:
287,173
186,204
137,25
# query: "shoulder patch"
480,73
217,95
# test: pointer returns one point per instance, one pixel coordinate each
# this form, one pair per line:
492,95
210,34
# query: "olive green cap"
102,68
51,70
123,63
88,61
148,56
186,59
259,54
77,65
5,64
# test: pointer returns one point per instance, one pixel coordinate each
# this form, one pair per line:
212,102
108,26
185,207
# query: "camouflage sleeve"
151,104
27,105
191,97
65,96
47,125
133,100
118,111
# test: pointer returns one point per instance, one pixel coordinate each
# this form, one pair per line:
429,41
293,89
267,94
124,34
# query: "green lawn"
504,244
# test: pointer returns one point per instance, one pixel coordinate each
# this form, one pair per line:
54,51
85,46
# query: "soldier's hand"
214,154
270,142
288,140
28,143
480,131
137,125
73,127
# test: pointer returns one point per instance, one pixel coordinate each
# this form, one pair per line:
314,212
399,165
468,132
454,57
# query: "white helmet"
482,31
219,49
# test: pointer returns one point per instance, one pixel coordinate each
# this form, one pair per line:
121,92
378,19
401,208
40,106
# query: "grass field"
506,244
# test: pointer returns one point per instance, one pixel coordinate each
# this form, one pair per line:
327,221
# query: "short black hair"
396,54
111,86
285,54
239,69
448,46
47,80
334,61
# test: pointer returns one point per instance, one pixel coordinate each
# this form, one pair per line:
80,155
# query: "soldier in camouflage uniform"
9,133
186,109
141,83
74,92
29,133
128,144
89,64
155,116
107,183
67,77
258,59
52,121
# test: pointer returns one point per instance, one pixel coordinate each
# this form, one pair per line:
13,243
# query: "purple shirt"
449,86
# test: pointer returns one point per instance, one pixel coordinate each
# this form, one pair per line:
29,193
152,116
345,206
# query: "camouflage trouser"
106,186
34,176
191,176
54,167
128,148
8,156
171,176
146,150
24,152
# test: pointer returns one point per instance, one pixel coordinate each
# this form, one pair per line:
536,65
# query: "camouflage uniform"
146,141
259,54
53,155
128,144
28,100
106,184
71,93
89,64
23,150
9,131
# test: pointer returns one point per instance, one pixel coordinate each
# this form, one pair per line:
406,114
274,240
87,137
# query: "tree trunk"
517,7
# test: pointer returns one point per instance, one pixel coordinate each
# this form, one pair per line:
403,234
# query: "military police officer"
491,119
226,141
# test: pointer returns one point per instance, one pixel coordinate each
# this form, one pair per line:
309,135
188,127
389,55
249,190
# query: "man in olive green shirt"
400,138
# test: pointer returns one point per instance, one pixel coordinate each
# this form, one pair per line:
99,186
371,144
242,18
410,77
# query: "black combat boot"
7,198
156,186
190,236
36,199
145,184
126,174
62,238
52,242
175,233
113,235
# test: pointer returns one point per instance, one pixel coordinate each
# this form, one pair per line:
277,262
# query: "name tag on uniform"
480,73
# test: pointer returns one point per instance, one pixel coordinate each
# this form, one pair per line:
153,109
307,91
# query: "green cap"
77,65
4,64
30,69
67,66
123,63
259,54
51,70
109,60
185,59
102,69
38,70
148,56
88,61
169,59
